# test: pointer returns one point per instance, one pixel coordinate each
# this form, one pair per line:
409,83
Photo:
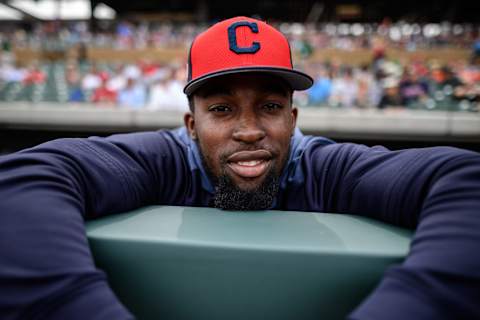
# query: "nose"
248,129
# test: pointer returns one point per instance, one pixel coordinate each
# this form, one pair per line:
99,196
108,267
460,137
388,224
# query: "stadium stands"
410,65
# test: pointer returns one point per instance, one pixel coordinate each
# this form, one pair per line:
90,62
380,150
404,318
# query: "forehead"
256,82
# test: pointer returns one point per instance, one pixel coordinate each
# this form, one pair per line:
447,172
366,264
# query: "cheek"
283,131
211,148
283,138
285,147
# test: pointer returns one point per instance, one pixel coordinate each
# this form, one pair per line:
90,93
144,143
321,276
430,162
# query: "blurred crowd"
142,85
349,36
133,85
387,84
381,83
153,86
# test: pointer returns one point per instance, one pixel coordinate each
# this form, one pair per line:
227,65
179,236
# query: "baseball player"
239,150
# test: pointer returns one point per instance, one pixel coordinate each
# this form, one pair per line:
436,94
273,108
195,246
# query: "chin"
248,185
258,194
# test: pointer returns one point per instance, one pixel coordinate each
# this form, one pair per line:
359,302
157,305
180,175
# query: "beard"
228,196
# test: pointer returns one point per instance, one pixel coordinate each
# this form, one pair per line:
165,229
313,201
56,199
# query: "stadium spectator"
446,88
73,79
305,49
158,98
103,95
167,92
92,80
391,95
474,59
132,71
321,90
344,89
413,90
11,73
148,69
117,81
470,77
7,56
125,34
34,76
133,95
378,52
369,90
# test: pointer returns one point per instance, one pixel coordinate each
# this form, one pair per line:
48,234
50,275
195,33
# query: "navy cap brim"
296,79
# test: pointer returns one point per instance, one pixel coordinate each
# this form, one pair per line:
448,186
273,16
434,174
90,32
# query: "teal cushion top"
203,263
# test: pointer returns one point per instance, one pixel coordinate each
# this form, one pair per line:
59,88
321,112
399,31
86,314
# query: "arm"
46,269
436,191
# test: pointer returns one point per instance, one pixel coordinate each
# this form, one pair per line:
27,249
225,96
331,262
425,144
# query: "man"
239,150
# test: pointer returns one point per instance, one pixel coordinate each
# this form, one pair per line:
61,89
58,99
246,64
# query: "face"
243,124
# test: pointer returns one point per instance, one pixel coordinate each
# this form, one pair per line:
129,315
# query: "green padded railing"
201,263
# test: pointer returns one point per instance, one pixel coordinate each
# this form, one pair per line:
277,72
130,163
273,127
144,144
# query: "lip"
249,164
250,155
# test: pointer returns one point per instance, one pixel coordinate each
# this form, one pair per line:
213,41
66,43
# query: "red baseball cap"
242,44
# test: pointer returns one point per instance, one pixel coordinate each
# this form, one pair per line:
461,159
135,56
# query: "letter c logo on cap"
232,37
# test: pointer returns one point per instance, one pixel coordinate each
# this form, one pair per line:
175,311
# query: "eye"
219,108
271,106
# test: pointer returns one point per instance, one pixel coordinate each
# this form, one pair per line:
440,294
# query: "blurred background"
401,74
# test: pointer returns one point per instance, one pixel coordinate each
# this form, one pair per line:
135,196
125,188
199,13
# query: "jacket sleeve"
46,192
436,191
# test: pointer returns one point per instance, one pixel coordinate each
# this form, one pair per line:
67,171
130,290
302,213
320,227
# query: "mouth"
249,164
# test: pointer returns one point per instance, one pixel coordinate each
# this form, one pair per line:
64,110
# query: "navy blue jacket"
46,192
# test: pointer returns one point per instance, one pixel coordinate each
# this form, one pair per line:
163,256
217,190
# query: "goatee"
229,197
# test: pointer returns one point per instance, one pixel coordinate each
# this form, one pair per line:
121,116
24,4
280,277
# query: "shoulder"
320,154
357,158
159,142
352,151
114,151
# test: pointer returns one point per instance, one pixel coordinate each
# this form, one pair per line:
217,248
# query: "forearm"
46,269
440,278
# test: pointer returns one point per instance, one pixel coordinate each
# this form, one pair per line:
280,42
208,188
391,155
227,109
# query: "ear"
189,121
